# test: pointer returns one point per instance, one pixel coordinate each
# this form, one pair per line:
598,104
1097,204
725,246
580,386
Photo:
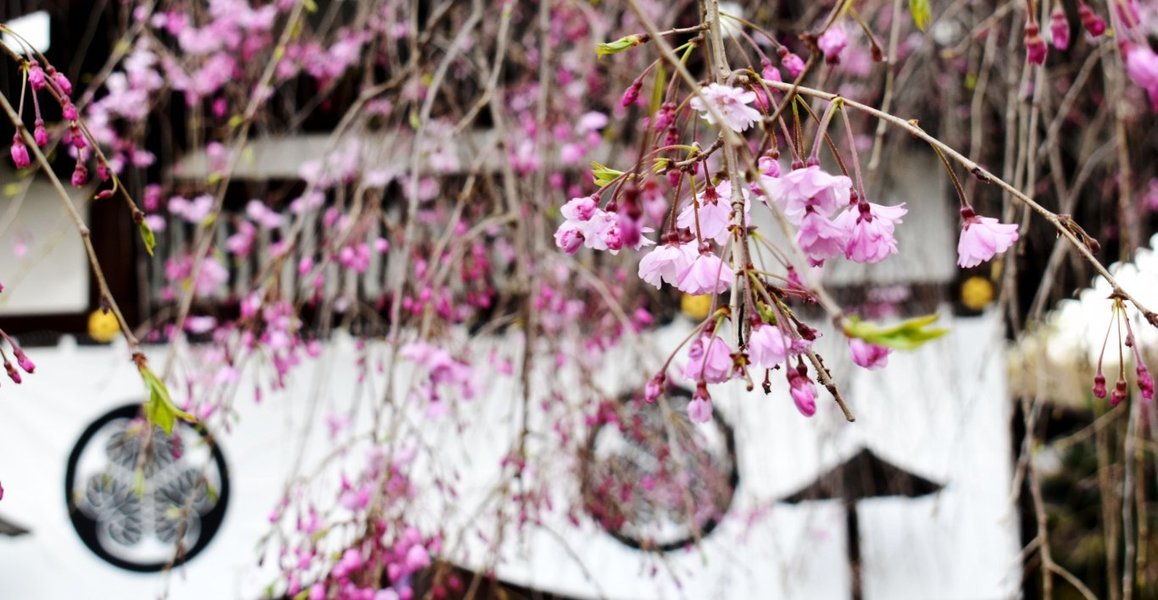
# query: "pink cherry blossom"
808,188
792,62
1142,67
730,102
706,274
832,42
820,239
667,262
869,356
1035,48
870,230
714,216
700,408
767,346
709,359
982,238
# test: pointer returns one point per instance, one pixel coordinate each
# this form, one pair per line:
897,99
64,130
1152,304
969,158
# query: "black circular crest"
654,480
143,500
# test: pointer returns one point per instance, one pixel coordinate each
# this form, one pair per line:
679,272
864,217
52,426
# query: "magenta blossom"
730,102
709,359
982,238
1142,67
809,188
870,228
706,274
767,346
869,356
1145,382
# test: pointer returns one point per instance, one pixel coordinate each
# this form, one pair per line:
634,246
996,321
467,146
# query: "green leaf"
658,90
147,237
922,13
624,43
909,334
159,408
604,175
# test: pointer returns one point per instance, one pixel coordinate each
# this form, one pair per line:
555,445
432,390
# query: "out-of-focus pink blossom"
832,42
869,356
1059,28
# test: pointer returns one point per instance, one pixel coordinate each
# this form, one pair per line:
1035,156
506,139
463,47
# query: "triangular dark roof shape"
865,475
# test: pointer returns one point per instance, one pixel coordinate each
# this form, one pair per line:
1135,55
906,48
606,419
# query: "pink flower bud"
1035,48
36,76
1059,28
68,111
632,94
40,133
26,364
1145,382
793,63
1100,385
1119,393
20,152
1093,23
653,388
79,175
13,374
62,83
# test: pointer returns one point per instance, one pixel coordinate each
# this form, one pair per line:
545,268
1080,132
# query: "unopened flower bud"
79,174
632,94
1100,385
62,83
1119,393
20,152
13,374
1035,48
39,133
25,363
1059,28
36,76
1094,24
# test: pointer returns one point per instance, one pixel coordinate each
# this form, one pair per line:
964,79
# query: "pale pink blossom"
982,238
808,188
700,409
714,214
820,239
706,274
666,263
1142,67
869,356
730,102
709,359
870,229
767,346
